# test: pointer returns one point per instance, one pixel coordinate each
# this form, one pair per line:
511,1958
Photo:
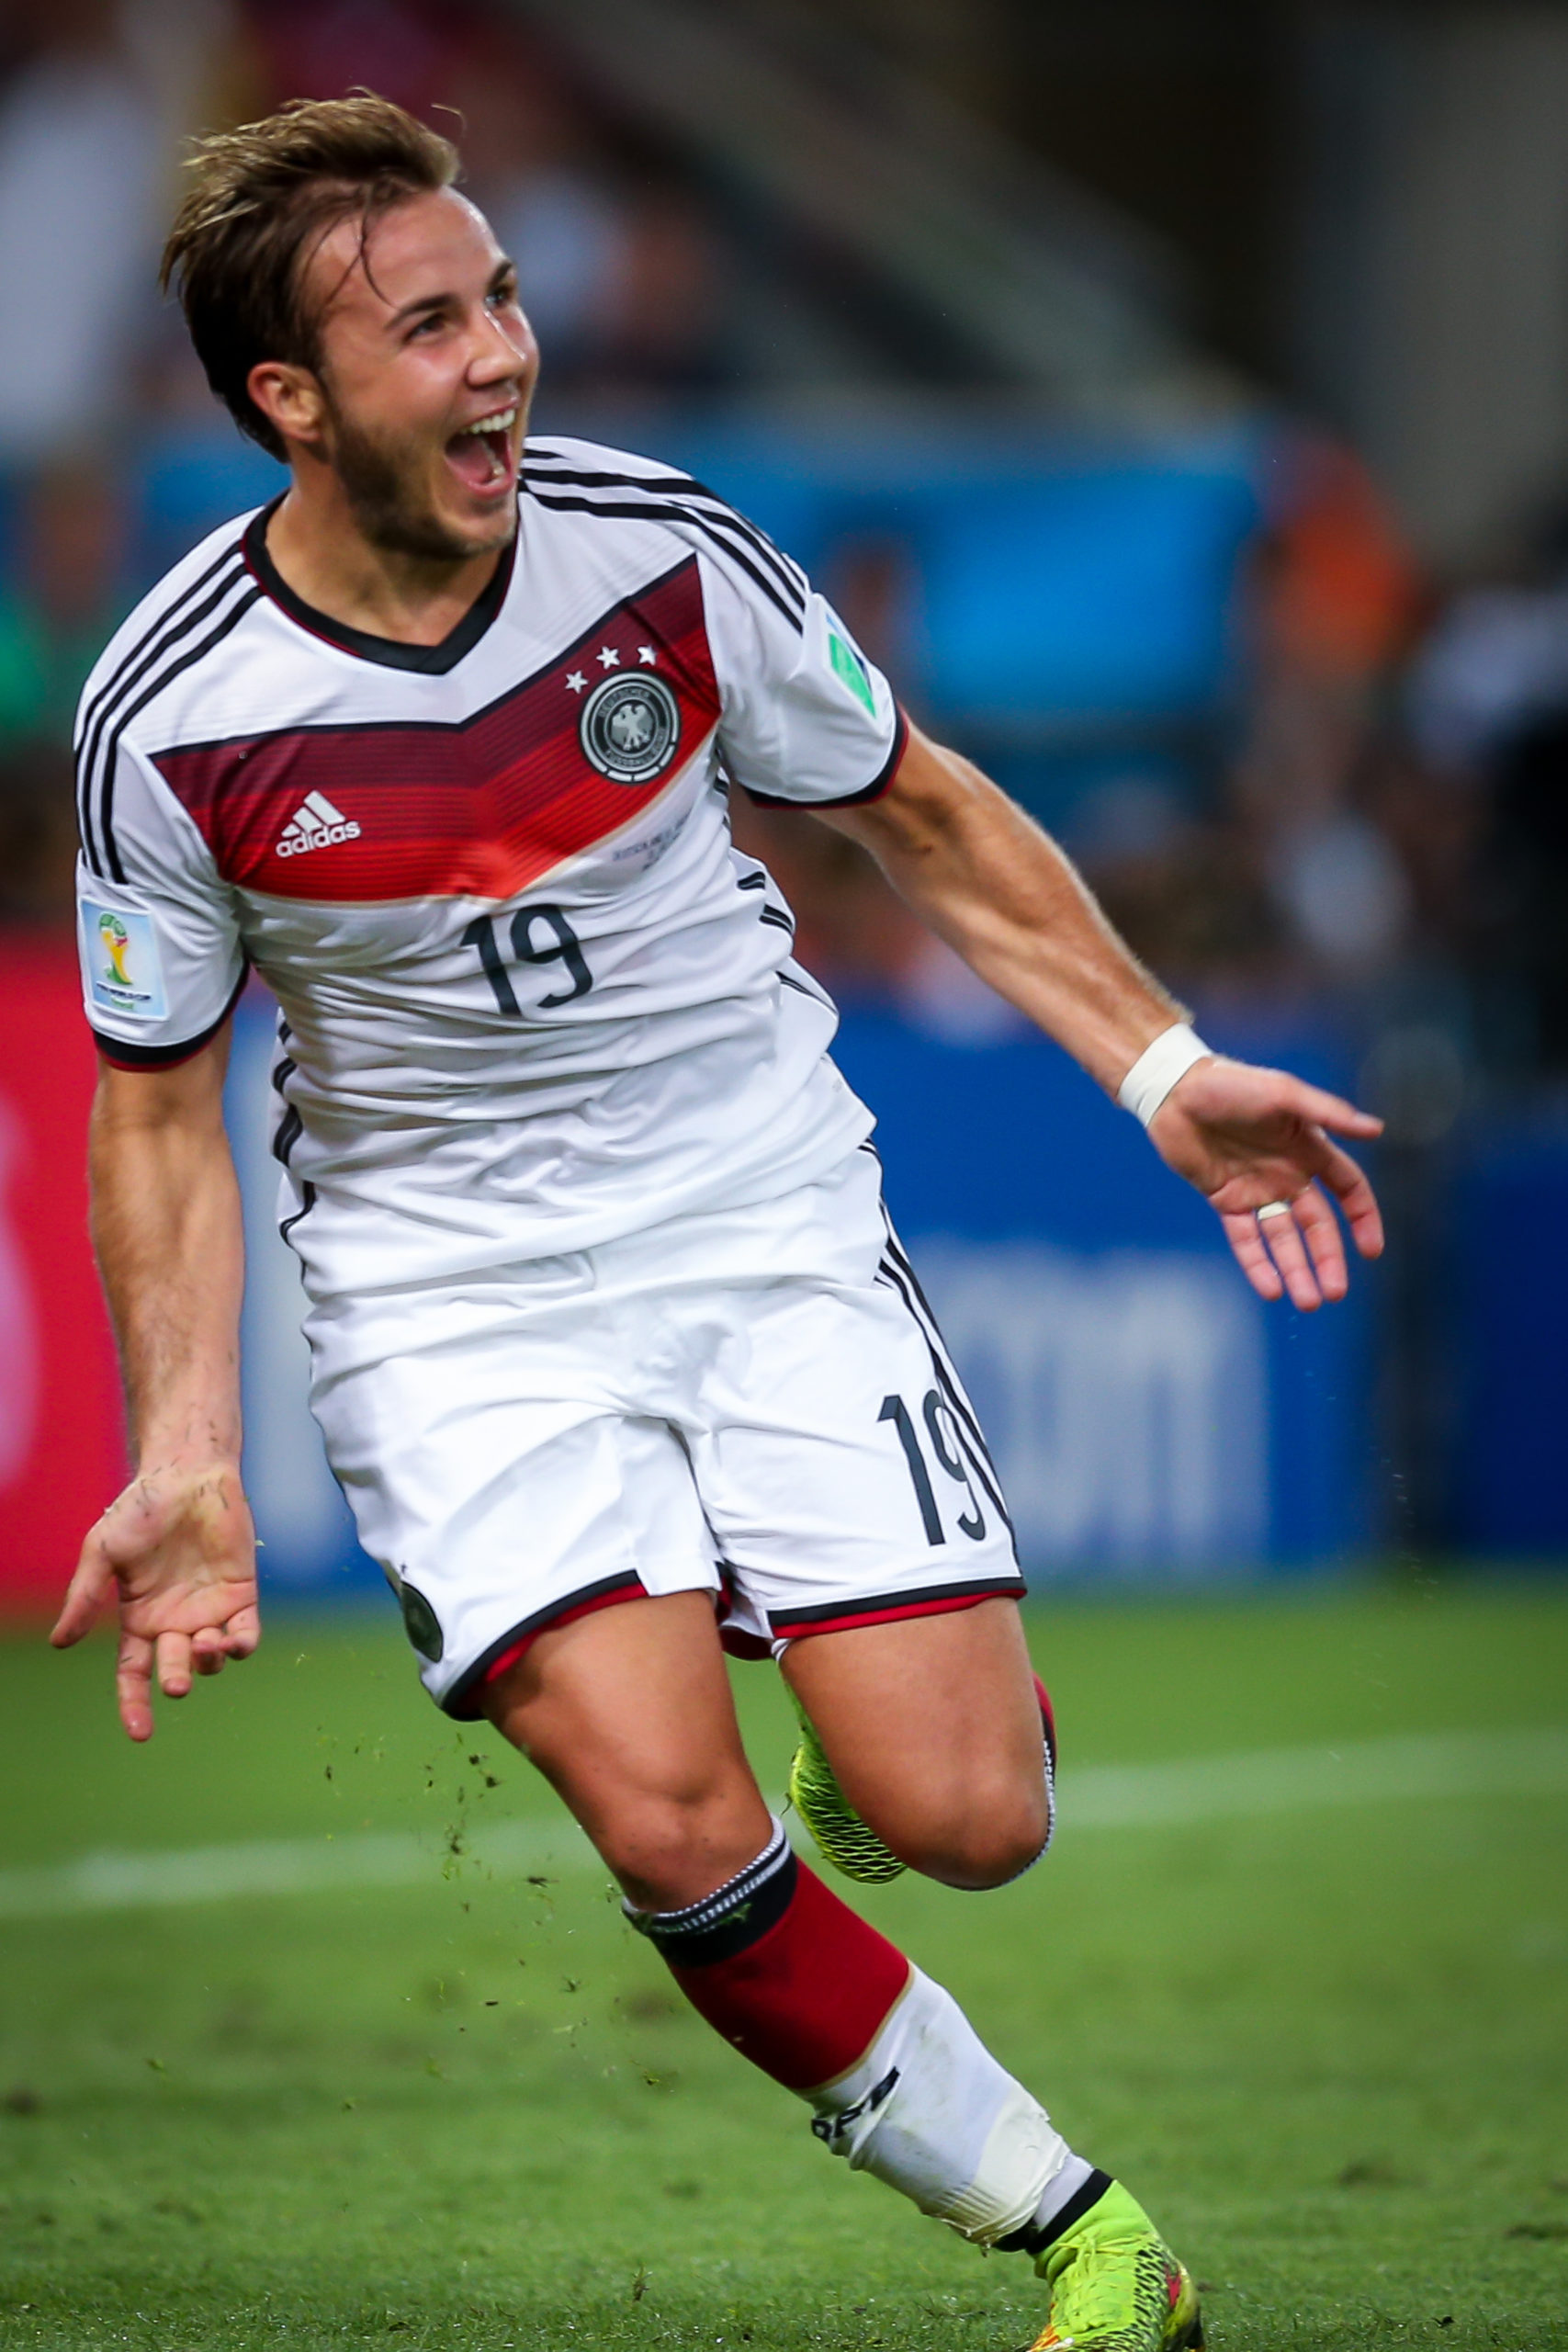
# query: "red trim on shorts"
787,1629
520,1649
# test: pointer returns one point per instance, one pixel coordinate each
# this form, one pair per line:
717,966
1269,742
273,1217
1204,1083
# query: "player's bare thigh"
932,1729
931,1724
628,1715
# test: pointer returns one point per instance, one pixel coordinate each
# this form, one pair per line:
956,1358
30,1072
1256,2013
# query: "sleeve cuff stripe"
123,1053
872,791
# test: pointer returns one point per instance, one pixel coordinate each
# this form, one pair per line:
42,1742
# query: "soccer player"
615,1354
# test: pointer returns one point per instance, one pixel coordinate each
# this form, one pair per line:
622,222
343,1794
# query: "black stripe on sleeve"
165,677
687,487
170,629
872,791
167,616
125,1056
651,513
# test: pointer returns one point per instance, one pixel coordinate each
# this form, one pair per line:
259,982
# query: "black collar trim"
391,652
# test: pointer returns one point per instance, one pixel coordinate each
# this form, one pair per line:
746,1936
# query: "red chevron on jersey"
484,807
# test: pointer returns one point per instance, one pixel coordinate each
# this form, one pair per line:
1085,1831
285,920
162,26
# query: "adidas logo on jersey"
315,824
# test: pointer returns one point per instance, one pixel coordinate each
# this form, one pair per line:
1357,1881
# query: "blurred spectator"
532,166
1488,710
69,595
38,831
622,272
1181,886
661,330
81,167
1335,598
322,49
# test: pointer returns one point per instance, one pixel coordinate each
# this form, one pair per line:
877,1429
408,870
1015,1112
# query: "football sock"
898,2081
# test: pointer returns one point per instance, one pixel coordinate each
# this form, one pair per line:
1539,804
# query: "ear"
291,400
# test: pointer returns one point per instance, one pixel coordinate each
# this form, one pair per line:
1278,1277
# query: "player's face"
419,350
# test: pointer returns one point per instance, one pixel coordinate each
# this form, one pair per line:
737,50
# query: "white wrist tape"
1157,1068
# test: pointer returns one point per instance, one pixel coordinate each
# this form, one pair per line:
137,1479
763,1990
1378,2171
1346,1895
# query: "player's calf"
924,1733
990,1836
970,1832
902,2086
898,2082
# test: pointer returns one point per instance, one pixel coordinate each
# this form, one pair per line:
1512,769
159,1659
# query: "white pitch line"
1444,1767
284,1866
1289,1780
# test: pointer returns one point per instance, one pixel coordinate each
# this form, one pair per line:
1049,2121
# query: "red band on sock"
804,2002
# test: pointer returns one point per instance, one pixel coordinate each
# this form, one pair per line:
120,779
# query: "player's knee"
671,1851
991,1838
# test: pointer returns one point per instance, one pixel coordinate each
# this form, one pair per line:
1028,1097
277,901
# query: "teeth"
503,423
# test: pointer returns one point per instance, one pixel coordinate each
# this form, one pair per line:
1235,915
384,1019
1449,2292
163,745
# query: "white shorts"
754,1402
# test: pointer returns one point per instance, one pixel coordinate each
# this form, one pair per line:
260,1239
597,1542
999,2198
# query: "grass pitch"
1325,2041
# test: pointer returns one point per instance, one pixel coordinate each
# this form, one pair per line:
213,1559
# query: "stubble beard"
379,479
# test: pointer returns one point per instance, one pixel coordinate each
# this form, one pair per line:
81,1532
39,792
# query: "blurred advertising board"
61,1441
1153,1422
1510,1342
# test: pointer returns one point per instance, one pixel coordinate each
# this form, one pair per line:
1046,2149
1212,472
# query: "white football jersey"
532,998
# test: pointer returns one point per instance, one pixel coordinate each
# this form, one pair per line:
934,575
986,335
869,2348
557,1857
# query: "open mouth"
482,454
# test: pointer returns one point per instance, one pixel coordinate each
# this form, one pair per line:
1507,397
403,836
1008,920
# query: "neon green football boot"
1116,2286
832,1820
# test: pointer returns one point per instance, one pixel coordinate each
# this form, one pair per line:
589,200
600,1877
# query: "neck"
317,543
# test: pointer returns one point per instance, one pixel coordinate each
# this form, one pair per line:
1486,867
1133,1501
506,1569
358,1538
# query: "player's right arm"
177,1547
162,964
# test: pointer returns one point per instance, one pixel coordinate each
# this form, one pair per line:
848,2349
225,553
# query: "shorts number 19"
971,1522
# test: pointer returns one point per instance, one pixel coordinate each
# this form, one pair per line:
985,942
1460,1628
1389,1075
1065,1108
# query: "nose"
502,346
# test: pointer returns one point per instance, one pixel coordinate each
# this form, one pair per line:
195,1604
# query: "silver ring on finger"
1273,1208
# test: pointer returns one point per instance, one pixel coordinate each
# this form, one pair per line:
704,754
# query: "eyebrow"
498,275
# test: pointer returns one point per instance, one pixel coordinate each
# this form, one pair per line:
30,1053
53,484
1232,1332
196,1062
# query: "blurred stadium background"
1175,397
1173,394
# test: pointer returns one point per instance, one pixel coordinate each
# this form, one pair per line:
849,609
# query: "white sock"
930,2111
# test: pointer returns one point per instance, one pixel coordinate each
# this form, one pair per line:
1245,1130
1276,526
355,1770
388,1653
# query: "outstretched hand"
179,1548
1248,1139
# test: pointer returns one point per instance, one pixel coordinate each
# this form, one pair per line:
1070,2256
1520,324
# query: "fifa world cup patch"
848,664
119,956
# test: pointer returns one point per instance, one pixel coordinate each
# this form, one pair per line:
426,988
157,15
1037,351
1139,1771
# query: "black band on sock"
1034,2238
729,1920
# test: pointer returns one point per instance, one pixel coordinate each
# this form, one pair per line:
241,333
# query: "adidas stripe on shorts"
752,1402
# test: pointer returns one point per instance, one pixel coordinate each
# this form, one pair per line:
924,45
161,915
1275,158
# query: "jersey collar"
391,652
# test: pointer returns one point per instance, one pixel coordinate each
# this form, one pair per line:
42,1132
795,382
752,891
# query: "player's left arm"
995,885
